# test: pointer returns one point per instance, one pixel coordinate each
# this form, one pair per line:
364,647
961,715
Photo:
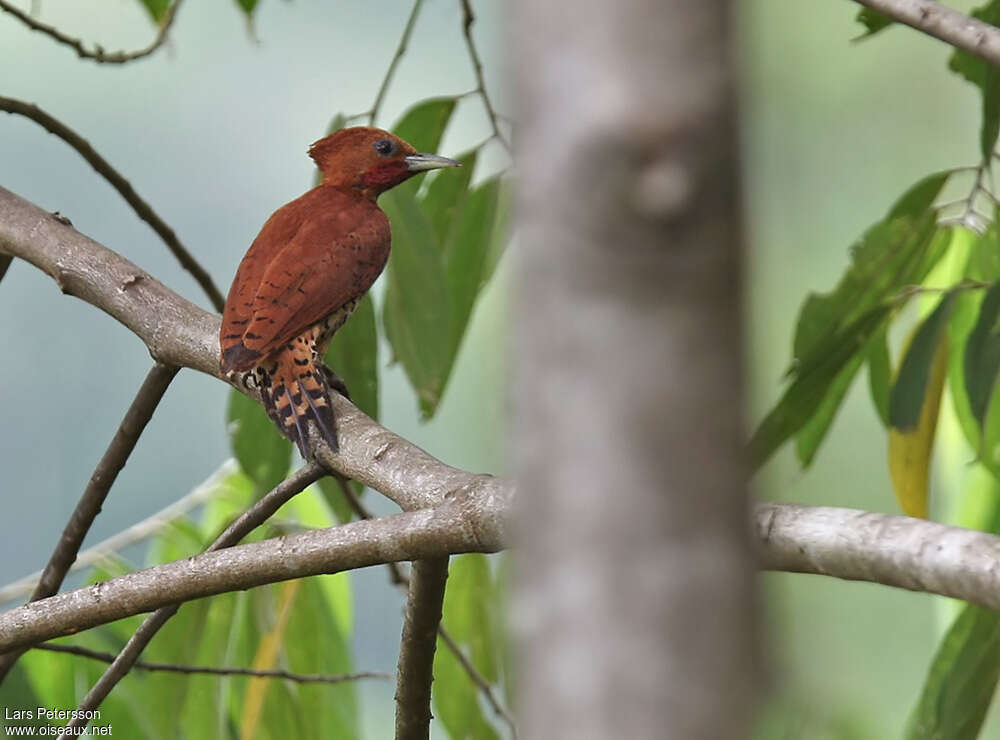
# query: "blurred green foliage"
944,251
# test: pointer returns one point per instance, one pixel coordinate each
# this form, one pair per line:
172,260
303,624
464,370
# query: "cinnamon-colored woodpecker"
306,271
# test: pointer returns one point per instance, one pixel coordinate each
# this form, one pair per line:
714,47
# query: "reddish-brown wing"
313,255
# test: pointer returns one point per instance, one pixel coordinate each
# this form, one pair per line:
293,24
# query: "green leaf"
422,126
982,354
331,709
902,241
469,614
176,642
416,312
501,229
20,698
880,373
353,355
984,259
263,454
920,196
906,399
984,76
894,253
157,9
811,381
445,197
809,438
891,254
206,713
873,21
990,452
465,256
961,681
248,6
963,318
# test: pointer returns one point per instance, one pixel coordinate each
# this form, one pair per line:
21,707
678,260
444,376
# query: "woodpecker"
304,274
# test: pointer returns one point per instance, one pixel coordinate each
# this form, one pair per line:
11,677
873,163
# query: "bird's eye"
385,147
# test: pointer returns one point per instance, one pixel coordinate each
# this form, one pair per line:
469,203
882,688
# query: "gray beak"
421,162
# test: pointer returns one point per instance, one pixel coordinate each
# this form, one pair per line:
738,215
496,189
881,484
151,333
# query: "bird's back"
314,256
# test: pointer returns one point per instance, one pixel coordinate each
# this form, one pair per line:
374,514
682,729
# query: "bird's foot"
335,382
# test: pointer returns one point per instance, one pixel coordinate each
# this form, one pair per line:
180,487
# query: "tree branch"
142,209
89,506
914,554
475,522
97,54
964,32
211,670
415,670
843,543
398,578
179,333
468,18
244,524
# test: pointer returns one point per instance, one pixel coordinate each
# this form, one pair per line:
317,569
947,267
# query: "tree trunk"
635,607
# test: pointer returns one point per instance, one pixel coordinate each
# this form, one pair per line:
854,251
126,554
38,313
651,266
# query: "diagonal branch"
964,32
415,670
142,209
98,54
89,506
244,524
212,670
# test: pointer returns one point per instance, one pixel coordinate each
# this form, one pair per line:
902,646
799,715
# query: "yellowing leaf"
266,659
910,450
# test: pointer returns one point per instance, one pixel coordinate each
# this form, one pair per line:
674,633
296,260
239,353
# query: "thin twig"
142,209
969,34
398,578
136,533
210,670
97,54
246,523
89,506
468,18
970,218
479,679
372,113
415,670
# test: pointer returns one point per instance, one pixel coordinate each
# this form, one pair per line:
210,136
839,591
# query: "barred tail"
295,393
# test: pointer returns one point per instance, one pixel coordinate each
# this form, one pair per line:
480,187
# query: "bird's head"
370,159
